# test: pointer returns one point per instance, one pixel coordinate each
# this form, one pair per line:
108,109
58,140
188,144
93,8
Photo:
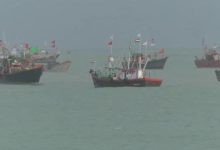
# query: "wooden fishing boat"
115,80
58,67
128,75
18,73
211,58
157,62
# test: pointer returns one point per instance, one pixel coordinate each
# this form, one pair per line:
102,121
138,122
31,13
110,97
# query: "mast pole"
140,43
129,56
111,59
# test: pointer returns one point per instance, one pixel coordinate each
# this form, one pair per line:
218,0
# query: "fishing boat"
15,69
217,73
112,76
58,66
158,61
211,58
16,72
131,77
47,54
48,58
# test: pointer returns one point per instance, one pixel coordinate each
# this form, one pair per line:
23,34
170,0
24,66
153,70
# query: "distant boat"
41,55
211,58
49,61
58,67
157,62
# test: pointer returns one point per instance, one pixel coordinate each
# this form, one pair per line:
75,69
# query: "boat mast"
139,41
204,45
110,59
145,64
139,71
129,59
129,56
145,44
94,64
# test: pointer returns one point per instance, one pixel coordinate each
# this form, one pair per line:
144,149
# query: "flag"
110,42
53,44
26,46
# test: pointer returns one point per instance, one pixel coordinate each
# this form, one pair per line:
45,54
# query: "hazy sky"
87,24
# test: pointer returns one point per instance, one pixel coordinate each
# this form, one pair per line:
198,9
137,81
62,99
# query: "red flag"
110,41
26,46
110,44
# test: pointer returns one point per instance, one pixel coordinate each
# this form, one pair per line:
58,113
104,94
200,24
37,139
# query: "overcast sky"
87,24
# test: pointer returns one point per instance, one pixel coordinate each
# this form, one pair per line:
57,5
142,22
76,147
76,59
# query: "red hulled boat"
116,81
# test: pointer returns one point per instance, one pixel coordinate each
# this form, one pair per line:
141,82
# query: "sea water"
65,112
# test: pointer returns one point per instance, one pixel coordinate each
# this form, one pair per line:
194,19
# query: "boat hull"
217,73
152,64
156,63
59,67
25,76
109,82
204,63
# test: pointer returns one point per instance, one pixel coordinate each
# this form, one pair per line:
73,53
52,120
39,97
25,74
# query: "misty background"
88,24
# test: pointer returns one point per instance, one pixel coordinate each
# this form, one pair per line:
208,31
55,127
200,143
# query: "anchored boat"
128,75
19,73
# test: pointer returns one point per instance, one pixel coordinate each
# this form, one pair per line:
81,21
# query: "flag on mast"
26,45
110,42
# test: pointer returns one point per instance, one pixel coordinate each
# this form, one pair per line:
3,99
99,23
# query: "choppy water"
65,112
